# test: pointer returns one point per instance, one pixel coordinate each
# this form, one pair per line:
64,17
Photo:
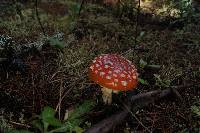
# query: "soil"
50,71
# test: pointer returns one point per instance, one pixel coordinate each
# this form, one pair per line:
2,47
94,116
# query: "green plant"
56,43
144,64
160,82
4,125
75,118
184,7
195,108
68,22
143,81
46,122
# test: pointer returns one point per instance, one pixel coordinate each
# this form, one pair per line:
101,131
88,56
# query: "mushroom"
114,73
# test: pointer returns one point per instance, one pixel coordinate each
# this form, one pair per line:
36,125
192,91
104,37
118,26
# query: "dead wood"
106,125
139,101
144,99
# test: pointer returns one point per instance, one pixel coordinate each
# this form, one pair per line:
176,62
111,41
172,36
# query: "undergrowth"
46,122
164,57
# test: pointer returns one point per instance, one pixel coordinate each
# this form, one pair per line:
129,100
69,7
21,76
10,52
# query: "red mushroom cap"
113,72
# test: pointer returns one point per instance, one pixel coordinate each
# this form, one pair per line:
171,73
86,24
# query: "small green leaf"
78,130
196,110
64,128
75,8
56,43
48,112
81,109
142,33
76,117
37,124
142,81
142,63
185,131
53,122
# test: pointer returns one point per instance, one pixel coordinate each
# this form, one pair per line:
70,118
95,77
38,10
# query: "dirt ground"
171,54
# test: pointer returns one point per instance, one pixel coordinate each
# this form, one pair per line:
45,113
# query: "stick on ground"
140,100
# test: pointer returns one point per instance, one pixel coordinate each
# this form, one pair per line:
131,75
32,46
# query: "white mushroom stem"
107,95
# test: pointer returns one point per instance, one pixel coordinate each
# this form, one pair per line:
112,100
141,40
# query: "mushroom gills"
107,95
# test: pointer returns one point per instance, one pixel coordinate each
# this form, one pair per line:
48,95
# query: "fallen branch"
106,125
144,99
139,101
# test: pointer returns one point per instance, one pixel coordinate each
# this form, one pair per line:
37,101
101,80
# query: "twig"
33,92
19,124
81,7
58,107
149,95
129,110
185,86
106,125
38,18
177,94
137,23
66,92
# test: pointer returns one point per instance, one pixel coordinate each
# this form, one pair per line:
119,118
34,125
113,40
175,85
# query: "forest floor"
165,56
